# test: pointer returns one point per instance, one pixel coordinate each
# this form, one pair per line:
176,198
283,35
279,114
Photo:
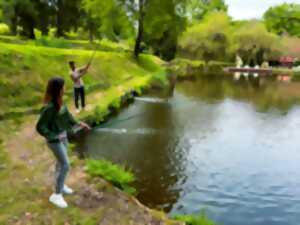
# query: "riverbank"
27,166
186,68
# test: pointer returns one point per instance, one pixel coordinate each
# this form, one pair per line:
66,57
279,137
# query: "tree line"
152,23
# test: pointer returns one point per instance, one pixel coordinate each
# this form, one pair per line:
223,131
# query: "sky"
252,9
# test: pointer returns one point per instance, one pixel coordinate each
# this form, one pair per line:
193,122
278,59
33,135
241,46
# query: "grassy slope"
25,69
24,161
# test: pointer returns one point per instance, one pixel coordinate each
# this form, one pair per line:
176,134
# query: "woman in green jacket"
54,122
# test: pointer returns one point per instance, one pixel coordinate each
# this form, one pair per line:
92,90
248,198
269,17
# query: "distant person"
79,91
54,122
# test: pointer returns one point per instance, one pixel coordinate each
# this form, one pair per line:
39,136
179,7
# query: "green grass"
200,219
25,69
53,42
113,173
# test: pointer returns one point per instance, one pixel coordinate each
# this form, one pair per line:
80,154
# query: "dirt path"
30,181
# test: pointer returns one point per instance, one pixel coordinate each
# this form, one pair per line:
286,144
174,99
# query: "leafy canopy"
284,18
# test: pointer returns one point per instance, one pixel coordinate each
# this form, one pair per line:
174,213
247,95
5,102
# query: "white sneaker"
58,200
67,190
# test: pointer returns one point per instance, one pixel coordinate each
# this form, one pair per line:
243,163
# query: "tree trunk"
139,38
31,32
13,26
91,33
59,19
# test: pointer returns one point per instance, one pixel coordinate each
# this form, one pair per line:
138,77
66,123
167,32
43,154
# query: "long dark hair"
53,92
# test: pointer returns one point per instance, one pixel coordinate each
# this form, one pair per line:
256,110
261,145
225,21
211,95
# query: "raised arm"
83,70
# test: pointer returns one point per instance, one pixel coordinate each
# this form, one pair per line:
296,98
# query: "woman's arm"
71,119
42,125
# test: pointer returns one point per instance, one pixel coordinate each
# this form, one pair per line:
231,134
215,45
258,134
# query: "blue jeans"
59,150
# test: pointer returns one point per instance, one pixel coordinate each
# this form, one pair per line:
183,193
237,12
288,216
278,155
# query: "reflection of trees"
263,92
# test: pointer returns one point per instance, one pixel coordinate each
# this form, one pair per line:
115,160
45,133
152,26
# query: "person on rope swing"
54,122
79,91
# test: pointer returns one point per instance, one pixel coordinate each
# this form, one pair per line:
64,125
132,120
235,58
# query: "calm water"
231,147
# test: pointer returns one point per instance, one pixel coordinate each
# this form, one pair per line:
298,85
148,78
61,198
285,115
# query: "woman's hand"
85,126
62,136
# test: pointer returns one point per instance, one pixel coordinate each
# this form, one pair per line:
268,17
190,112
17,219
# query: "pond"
226,144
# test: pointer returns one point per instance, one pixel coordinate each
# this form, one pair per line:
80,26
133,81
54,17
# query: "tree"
253,42
153,21
164,22
111,18
197,9
67,15
207,40
45,13
21,13
284,18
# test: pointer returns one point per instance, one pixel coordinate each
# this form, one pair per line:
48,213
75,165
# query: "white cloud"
249,9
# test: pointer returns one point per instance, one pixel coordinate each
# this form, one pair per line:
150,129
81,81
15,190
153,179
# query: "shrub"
200,219
208,39
52,42
4,29
113,173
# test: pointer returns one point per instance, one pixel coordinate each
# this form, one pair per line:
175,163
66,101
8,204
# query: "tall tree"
110,16
284,18
21,13
45,13
157,23
164,22
197,9
67,15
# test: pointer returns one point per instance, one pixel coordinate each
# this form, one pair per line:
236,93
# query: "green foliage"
208,40
111,16
163,24
197,9
116,174
21,13
52,42
200,219
290,46
284,18
218,38
253,42
4,29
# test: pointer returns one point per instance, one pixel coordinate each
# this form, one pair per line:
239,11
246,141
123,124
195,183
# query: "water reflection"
264,92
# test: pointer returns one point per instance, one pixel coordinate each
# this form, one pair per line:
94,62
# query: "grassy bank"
26,165
25,69
184,68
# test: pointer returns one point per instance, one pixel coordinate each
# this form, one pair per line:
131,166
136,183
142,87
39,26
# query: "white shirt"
76,75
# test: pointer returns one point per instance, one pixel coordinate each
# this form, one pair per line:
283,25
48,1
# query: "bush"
52,42
208,39
113,173
4,29
200,219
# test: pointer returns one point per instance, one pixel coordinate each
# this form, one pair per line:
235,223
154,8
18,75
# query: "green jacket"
52,123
